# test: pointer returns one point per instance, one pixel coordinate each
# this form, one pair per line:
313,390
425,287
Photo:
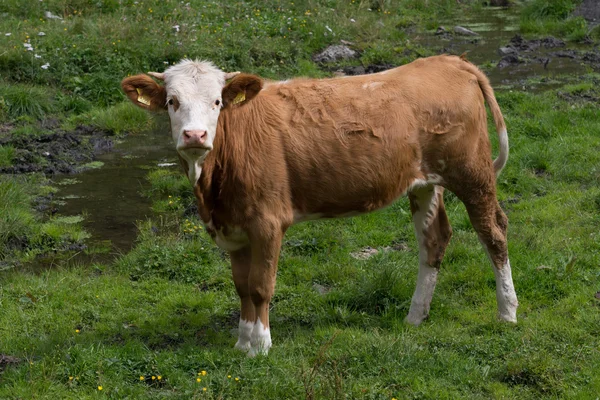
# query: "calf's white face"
192,96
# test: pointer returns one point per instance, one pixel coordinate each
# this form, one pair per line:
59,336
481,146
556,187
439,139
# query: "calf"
262,156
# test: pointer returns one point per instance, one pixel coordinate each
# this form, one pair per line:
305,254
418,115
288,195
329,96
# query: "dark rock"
360,70
550,42
565,54
591,57
373,69
510,59
335,53
506,50
500,3
440,31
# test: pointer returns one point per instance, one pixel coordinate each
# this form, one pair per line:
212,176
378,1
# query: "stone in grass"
335,53
365,253
322,290
464,31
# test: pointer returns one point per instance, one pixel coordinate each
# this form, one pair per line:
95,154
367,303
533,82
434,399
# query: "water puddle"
496,27
110,198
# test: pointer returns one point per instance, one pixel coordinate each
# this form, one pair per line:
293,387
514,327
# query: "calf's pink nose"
194,137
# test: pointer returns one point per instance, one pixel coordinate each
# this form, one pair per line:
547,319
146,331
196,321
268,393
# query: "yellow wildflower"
142,378
76,330
204,389
203,373
153,377
70,378
198,380
99,387
159,377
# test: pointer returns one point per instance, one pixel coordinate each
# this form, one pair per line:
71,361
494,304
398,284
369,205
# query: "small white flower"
42,34
176,27
166,62
7,34
27,45
45,66
49,15
352,20
36,56
328,28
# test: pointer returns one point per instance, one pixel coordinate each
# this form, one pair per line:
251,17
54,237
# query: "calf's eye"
217,102
170,102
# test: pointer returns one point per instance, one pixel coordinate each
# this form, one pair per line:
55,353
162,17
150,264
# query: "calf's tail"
488,95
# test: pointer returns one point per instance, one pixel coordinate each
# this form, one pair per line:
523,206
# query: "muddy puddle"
507,59
110,196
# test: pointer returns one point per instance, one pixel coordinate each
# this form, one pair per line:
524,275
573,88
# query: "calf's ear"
241,89
144,92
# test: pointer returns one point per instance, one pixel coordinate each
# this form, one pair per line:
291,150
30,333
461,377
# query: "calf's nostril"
186,134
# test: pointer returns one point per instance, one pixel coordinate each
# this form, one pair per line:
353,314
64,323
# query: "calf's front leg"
265,244
240,267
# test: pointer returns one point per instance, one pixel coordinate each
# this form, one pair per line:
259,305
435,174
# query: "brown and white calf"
262,156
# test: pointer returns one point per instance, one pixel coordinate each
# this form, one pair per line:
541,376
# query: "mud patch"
519,44
6,360
585,97
541,51
56,151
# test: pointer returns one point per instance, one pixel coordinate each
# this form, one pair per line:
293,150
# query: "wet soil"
521,51
55,151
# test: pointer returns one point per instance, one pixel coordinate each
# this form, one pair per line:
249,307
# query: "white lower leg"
260,340
244,335
505,294
421,300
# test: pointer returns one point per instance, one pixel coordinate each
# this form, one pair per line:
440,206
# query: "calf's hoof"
243,346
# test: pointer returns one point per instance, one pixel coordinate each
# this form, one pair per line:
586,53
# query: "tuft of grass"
7,153
549,9
545,17
121,118
25,100
16,219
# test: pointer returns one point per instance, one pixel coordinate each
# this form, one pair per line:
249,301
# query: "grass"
544,17
168,307
7,153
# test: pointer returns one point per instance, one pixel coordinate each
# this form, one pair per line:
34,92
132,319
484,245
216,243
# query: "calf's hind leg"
433,233
490,223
